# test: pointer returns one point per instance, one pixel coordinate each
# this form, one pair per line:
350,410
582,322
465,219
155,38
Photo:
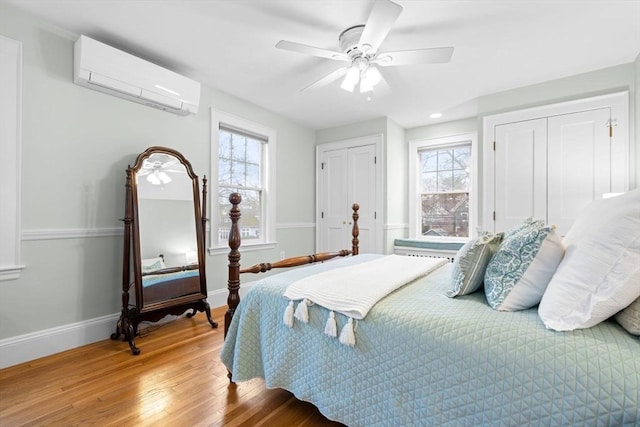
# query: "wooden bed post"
234,261
233,284
355,232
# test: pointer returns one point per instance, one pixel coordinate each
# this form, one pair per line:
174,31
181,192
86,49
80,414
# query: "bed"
163,286
161,283
423,357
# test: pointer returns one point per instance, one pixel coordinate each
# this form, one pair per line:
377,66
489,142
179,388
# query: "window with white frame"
242,158
442,188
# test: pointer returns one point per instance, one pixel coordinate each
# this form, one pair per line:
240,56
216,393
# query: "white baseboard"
31,346
23,348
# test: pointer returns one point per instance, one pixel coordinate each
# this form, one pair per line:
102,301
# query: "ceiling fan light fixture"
153,179
365,86
164,178
158,177
351,79
372,76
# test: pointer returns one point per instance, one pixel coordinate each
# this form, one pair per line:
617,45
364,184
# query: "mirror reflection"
167,228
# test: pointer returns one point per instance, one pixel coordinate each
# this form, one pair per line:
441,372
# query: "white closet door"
362,184
332,200
520,172
348,177
579,164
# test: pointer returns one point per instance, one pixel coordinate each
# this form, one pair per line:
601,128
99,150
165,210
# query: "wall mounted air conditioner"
109,70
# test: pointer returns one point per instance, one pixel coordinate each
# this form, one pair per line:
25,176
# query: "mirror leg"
207,310
130,333
118,331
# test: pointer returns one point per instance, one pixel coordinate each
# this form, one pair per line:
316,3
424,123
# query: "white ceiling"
229,45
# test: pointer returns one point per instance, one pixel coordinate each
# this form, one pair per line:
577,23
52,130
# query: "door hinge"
322,215
375,160
375,215
494,146
494,215
322,165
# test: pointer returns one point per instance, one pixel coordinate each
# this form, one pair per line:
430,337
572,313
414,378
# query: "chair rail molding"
11,153
70,233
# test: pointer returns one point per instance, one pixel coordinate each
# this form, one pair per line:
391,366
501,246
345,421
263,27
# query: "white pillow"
150,265
519,272
600,272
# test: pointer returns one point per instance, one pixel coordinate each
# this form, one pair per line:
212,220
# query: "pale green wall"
355,130
76,145
397,185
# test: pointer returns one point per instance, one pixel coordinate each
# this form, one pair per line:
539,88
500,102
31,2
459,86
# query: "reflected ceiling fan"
359,49
157,166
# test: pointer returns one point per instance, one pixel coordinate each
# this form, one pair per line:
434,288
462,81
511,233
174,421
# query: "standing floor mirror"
164,242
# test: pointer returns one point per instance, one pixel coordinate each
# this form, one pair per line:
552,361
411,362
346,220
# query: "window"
442,188
242,155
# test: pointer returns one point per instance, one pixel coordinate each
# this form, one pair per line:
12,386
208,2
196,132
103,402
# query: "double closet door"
552,167
348,173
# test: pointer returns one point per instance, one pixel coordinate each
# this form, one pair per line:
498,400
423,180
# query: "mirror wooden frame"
131,315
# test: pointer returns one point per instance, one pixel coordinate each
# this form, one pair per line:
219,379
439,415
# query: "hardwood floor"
177,380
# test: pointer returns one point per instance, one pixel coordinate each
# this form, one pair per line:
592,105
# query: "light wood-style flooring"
177,380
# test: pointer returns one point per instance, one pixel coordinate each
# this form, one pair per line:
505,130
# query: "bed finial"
355,231
234,261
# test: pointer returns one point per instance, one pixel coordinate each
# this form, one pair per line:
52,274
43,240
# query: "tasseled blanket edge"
347,334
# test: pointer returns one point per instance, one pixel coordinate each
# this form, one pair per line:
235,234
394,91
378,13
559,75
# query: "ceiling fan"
359,49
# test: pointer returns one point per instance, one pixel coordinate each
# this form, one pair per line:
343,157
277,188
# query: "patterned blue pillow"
523,266
470,263
527,223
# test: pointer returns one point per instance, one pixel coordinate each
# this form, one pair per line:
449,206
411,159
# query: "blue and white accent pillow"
523,266
470,264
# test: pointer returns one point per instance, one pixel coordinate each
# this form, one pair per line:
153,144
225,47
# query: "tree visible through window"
445,182
240,160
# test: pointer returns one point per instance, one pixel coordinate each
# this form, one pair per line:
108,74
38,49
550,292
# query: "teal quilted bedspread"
424,359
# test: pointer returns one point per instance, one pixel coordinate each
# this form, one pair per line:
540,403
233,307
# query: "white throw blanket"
353,290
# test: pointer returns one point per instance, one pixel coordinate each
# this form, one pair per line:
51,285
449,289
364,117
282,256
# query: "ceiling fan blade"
311,50
382,17
329,78
434,55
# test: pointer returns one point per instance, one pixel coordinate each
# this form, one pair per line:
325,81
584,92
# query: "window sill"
248,247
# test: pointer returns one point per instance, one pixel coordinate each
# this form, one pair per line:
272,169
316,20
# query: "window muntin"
445,183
